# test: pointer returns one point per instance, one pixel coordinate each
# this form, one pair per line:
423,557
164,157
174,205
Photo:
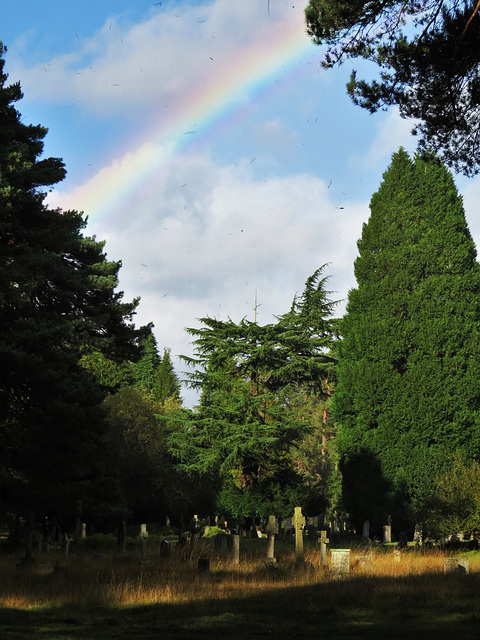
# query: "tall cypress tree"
407,394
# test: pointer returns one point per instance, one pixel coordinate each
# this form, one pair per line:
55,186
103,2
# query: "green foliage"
454,506
57,302
428,59
247,421
407,394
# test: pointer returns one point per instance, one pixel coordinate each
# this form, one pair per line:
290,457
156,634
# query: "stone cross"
298,522
323,547
144,538
272,530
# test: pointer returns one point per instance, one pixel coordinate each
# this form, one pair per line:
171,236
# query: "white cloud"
172,54
392,132
205,239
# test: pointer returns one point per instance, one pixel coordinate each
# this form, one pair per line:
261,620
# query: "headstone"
387,533
456,565
366,531
323,547
418,535
143,539
298,522
220,543
84,530
272,531
397,555
340,561
402,540
165,549
236,549
66,544
203,565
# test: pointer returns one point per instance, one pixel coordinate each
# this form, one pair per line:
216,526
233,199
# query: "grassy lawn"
113,597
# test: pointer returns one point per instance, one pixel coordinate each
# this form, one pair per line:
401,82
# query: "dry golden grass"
111,580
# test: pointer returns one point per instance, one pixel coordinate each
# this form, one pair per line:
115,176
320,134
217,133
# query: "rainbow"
113,192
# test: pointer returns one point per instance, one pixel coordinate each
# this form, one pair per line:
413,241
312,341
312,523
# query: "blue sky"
207,147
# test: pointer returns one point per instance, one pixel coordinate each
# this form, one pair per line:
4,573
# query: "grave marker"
323,547
272,530
144,538
298,522
340,561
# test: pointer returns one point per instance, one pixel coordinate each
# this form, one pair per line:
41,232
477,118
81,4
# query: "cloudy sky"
208,148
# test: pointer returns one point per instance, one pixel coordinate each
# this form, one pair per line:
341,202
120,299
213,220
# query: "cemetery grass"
108,596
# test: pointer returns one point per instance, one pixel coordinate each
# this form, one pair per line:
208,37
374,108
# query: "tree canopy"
58,301
250,377
407,396
429,65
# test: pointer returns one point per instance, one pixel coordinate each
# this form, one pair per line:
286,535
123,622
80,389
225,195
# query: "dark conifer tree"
407,395
57,300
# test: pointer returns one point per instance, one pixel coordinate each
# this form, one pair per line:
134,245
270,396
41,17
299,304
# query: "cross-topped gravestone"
323,547
144,538
298,522
272,530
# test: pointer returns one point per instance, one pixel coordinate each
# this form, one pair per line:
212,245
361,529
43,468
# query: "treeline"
361,418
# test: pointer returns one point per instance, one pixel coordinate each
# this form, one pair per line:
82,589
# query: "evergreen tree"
249,375
407,395
57,301
167,384
428,57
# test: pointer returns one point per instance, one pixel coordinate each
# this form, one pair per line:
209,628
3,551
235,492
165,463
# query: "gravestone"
397,555
402,540
366,531
272,531
323,547
387,533
340,561
298,522
220,543
143,539
455,565
235,548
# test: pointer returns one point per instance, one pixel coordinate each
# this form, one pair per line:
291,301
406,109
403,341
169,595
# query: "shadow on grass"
435,606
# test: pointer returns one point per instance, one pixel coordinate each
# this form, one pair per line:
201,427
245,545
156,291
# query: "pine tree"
57,302
167,384
407,396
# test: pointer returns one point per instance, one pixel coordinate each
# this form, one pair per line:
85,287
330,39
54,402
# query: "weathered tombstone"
272,531
387,533
402,540
418,535
288,527
66,544
298,522
235,548
203,565
323,547
165,549
456,565
144,538
220,543
340,561
84,530
366,531
397,555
